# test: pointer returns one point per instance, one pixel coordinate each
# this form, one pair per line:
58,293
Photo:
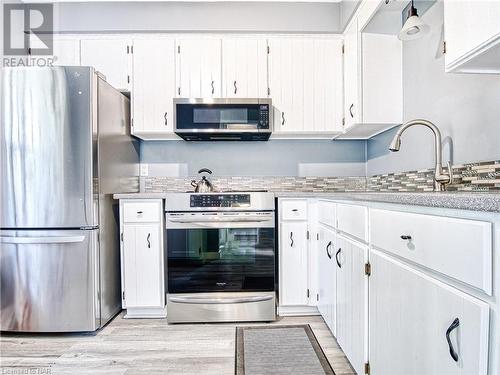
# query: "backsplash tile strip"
480,176
240,183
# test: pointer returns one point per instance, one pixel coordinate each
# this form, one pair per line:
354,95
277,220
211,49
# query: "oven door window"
229,259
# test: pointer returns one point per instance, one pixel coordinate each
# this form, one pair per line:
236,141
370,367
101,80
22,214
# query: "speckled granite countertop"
487,202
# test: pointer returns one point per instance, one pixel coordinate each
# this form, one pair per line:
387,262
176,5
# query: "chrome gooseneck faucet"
441,179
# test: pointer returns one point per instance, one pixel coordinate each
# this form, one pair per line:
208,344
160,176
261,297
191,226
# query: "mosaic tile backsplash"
306,184
481,176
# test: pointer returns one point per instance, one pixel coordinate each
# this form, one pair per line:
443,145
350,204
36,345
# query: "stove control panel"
220,200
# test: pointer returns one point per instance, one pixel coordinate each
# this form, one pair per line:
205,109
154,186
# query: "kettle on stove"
204,185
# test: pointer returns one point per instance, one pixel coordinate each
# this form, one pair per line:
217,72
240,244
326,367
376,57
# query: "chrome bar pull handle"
453,325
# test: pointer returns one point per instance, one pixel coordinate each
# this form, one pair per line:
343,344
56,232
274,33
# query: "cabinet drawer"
459,248
140,212
294,209
327,213
352,220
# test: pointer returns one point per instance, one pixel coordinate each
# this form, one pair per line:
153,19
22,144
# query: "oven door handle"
218,220
212,301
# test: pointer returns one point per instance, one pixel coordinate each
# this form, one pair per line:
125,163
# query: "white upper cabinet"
373,67
199,68
153,88
66,52
351,75
110,57
472,35
244,68
305,84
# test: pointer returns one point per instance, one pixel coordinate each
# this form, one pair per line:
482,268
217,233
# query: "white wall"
466,107
198,16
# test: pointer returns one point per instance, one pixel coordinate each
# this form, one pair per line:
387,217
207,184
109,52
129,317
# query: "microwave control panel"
223,200
264,116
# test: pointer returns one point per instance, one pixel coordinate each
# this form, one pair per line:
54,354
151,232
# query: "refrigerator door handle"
42,240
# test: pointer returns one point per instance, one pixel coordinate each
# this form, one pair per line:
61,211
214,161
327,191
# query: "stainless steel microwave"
223,119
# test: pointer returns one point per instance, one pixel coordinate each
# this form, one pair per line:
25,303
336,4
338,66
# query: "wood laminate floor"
144,346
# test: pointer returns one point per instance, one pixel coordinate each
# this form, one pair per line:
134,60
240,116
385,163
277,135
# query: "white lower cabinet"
327,277
389,287
298,252
293,264
412,328
351,301
142,259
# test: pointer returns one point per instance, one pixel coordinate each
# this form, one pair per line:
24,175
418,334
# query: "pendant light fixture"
414,27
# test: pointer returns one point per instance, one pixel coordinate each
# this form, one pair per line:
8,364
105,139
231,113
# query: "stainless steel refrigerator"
65,148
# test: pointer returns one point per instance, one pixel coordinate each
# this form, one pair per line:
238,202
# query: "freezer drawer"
49,281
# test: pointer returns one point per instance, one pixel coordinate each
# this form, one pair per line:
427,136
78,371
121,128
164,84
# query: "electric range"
220,257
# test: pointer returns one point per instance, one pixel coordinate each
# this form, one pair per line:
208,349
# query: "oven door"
220,252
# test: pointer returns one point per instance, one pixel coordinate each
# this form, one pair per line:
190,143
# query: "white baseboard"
151,313
297,310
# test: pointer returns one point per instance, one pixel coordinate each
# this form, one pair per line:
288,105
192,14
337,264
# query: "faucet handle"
450,172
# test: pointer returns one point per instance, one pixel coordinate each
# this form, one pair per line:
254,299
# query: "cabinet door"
110,57
293,264
143,266
351,301
324,70
305,81
410,313
312,251
66,52
352,105
153,86
244,69
282,84
199,68
469,26
327,277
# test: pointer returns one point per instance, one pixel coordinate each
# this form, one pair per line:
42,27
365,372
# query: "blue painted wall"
272,158
465,107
